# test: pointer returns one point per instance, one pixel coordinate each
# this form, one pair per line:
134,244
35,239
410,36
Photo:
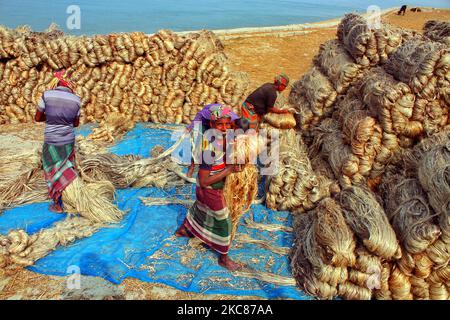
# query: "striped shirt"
61,108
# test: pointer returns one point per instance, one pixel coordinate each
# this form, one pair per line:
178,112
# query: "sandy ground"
261,56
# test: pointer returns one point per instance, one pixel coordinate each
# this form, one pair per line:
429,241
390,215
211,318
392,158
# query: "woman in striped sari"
208,219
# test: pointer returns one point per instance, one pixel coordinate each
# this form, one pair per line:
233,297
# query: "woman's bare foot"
229,264
183,232
56,208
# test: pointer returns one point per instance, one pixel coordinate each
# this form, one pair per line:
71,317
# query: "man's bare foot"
229,264
182,232
56,208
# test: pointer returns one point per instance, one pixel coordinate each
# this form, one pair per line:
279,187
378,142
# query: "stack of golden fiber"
422,271
163,78
368,43
357,248
424,66
385,139
313,96
380,109
294,186
335,62
340,63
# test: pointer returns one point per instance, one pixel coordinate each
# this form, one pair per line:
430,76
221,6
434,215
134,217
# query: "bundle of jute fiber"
328,141
391,102
284,120
294,186
434,174
340,68
400,285
369,45
125,171
433,114
28,187
17,155
92,201
281,121
334,235
21,249
406,206
411,158
383,292
364,276
163,78
369,222
362,132
113,126
311,272
313,97
437,31
241,187
21,176
423,65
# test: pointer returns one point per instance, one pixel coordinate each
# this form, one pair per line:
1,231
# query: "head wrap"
220,111
282,79
61,79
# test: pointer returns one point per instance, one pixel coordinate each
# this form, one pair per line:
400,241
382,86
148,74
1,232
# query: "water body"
106,16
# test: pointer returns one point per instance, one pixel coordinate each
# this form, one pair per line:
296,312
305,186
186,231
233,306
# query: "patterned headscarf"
220,111
61,79
282,79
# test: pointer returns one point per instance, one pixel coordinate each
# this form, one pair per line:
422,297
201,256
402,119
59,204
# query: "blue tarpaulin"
143,244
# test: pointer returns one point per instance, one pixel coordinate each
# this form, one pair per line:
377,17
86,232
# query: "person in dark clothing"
262,100
402,10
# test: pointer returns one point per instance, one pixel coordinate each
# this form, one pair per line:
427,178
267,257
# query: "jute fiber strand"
294,186
363,278
369,46
369,222
21,249
21,176
412,157
400,285
241,187
312,96
333,234
322,168
311,273
383,292
425,67
92,201
407,208
391,102
434,174
132,171
328,141
281,121
437,31
112,127
163,78
340,68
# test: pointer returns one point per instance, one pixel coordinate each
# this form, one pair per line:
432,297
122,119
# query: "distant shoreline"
291,29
